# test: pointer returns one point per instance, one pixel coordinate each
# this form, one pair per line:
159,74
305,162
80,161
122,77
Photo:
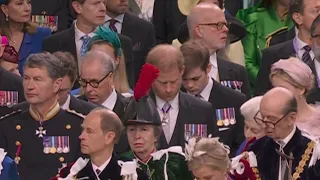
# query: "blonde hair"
212,154
120,78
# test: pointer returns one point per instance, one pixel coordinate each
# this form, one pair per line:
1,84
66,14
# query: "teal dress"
177,168
261,23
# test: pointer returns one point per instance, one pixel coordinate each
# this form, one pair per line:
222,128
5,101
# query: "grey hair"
47,60
314,25
250,108
107,63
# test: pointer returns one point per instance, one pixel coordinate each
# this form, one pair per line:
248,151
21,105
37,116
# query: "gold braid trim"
254,169
305,157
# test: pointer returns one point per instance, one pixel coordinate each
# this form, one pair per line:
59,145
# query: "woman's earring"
7,18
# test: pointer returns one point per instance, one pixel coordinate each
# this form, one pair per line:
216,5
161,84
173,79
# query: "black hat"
141,109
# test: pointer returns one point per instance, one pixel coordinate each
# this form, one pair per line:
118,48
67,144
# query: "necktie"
283,163
98,172
165,121
85,40
112,25
306,58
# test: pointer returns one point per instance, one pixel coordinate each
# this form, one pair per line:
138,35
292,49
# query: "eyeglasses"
261,121
218,25
94,84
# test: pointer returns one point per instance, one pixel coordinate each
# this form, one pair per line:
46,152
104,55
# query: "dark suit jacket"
229,71
60,8
65,41
143,39
222,97
283,36
191,111
112,171
32,43
166,19
270,56
10,82
268,158
81,106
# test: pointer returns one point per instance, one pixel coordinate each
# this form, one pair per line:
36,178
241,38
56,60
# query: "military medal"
46,148
225,118
59,148
53,149
232,118
219,117
41,131
66,147
165,110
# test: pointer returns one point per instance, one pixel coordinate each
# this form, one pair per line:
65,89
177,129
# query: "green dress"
261,23
177,168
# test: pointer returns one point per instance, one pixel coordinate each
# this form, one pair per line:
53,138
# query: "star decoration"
41,132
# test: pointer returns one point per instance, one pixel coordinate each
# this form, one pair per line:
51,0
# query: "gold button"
58,175
18,127
61,159
68,126
18,143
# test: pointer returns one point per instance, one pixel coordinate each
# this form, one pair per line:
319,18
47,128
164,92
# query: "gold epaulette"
270,36
12,113
75,112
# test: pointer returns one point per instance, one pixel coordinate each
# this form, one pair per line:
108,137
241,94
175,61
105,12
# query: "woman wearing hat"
143,127
265,19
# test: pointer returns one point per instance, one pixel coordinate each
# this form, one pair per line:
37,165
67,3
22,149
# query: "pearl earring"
7,18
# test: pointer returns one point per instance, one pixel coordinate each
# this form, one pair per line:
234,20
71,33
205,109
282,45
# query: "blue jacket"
9,171
32,43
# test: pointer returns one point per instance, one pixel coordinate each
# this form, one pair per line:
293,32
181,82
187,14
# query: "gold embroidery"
254,169
304,158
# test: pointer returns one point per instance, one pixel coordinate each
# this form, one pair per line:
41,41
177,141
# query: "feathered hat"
141,109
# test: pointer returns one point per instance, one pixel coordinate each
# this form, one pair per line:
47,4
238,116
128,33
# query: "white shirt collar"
66,105
205,93
213,60
289,137
110,102
102,167
79,33
174,102
118,18
298,46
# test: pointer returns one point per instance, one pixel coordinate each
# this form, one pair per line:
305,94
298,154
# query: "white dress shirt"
171,115
298,46
285,140
66,105
205,93
110,102
214,70
118,25
101,168
78,35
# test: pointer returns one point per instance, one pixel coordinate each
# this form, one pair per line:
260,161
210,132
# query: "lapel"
26,46
87,171
213,96
68,43
73,103
225,72
127,25
119,106
291,34
289,50
112,171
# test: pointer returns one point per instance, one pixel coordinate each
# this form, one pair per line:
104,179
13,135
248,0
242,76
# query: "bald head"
202,13
166,58
280,99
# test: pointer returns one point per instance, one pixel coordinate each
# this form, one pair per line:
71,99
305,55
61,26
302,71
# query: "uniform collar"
52,111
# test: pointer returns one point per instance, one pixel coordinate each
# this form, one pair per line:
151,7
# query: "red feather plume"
149,73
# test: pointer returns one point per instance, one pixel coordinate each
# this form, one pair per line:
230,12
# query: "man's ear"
297,17
57,85
109,137
77,7
198,31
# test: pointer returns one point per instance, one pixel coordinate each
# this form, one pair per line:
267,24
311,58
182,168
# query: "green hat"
141,109
106,34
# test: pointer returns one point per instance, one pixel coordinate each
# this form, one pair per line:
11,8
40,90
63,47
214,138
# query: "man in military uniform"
42,138
11,90
278,112
225,102
102,129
